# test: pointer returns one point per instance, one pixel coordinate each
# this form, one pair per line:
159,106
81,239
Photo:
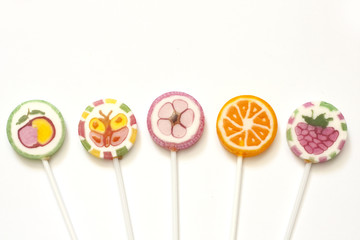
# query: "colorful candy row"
246,126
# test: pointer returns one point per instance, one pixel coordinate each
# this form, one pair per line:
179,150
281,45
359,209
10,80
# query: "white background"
73,52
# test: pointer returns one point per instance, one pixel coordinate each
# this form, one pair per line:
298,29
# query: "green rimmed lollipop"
36,129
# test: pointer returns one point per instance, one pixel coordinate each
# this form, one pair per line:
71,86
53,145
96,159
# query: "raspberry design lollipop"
36,130
175,121
107,130
316,132
246,126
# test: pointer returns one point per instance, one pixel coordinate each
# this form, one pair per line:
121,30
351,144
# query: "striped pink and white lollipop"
316,132
175,121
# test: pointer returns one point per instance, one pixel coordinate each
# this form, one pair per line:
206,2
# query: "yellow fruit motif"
97,125
119,121
44,129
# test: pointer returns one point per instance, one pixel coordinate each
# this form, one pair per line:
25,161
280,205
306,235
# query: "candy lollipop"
246,126
36,130
107,130
175,122
316,132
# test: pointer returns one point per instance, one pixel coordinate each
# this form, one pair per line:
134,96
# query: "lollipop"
36,130
246,126
107,130
175,122
316,132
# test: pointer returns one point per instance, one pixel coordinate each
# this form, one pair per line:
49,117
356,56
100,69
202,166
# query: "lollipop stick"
59,199
298,200
175,195
124,202
235,217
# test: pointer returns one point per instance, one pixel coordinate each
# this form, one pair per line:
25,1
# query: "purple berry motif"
314,135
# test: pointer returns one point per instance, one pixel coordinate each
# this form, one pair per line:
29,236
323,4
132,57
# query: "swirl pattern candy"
246,125
316,132
175,121
107,129
36,129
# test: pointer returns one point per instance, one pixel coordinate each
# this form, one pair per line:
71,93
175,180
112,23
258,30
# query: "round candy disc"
246,125
316,132
36,129
175,121
107,129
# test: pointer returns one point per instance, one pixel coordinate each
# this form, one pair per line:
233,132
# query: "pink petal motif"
187,118
166,110
164,126
180,105
178,131
161,139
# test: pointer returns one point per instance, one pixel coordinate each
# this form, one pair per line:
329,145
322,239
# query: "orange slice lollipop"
246,125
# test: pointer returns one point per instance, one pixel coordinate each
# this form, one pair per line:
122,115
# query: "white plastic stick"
235,216
124,202
298,201
59,199
175,195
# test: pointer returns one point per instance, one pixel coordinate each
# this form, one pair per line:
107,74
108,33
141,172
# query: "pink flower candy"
174,118
171,120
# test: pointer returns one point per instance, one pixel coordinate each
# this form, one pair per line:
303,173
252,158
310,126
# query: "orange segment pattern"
234,115
230,128
246,125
